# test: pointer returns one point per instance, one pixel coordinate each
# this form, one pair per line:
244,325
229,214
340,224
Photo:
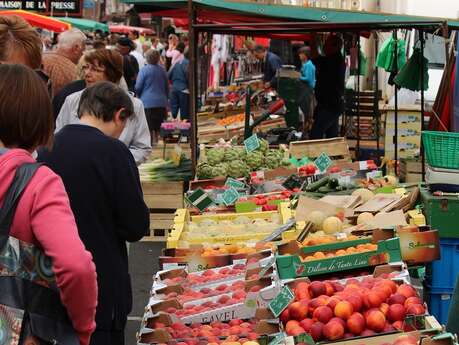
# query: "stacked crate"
163,199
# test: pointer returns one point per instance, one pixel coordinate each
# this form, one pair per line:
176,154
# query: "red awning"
207,16
125,29
38,20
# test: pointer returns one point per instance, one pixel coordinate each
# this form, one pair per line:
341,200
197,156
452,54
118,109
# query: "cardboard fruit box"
212,309
182,236
203,278
291,266
430,333
198,258
149,334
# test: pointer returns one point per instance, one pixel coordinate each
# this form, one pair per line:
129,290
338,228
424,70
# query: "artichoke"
264,145
237,168
231,155
220,170
215,155
204,171
254,160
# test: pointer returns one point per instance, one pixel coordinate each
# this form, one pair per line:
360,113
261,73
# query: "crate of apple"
238,331
191,294
207,276
217,302
331,311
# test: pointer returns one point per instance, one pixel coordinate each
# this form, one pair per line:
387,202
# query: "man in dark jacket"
130,64
271,63
329,89
102,182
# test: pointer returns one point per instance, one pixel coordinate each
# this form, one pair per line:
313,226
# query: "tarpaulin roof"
84,24
319,18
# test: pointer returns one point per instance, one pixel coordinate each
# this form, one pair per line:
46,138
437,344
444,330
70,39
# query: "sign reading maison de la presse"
56,7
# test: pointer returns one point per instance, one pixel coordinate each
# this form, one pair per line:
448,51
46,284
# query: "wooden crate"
163,195
161,222
165,152
336,148
410,170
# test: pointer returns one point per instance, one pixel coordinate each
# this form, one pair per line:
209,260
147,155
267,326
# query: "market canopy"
84,24
125,29
38,20
311,18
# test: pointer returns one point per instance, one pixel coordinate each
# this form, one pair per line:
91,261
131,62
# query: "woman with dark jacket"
102,180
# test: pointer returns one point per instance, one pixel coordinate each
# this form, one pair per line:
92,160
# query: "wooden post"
193,82
421,37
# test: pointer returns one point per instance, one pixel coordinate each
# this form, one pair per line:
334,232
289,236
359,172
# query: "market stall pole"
394,34
423,166
193,87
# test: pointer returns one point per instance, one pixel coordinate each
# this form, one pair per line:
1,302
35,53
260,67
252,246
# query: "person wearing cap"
130,64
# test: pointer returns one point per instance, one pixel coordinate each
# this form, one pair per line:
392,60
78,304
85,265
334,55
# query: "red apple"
323,314
333,330
306,324
396,298
317,288
406,290
344,310
298,310
316,331
396,312
416,309
376,320
356,323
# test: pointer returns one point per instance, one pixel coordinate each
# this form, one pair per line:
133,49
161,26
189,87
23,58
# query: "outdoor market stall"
265,252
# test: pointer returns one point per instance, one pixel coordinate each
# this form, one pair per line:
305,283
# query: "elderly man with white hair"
61,64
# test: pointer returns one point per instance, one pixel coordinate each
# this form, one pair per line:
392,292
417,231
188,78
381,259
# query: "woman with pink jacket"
43,217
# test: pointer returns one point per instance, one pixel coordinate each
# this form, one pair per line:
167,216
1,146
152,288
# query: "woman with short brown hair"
19,42
107,65
43,217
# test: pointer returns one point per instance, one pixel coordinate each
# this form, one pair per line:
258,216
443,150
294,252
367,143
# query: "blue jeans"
326,122
180,101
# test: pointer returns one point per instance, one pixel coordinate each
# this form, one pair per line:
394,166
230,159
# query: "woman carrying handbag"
48,288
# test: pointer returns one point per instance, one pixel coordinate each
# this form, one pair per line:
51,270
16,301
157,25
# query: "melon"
365,218
316,218
364,193
391,180
332,225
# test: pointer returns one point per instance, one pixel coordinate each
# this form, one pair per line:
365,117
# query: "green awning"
298,13
84,24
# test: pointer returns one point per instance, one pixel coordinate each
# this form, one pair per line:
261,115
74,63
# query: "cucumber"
333,183
312,187
325,189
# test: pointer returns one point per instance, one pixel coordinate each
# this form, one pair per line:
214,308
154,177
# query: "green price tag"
230,196
304,338
231,182
251,143
323,162
281,301
200,199
279,339
298,162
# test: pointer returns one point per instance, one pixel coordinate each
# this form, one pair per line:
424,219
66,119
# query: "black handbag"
31,311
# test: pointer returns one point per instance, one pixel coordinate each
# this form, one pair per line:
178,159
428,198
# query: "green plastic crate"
442,213
441,149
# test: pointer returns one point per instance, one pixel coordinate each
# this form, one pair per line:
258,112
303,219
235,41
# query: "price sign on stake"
281,301
231,182
199,199
251,143
230,196
323,162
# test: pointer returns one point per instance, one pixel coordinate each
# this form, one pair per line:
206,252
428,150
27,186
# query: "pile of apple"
197,307
331,311
207,276
235,288
234,332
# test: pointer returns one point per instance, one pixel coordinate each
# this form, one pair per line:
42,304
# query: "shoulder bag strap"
23,175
